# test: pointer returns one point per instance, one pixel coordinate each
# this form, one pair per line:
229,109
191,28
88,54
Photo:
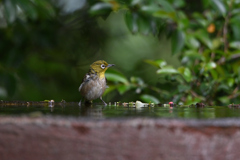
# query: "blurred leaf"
234,24
115,76
178,3
235,44
192,55
186,73
230,82
131,21
3,92
109,89
100,8
123,88
182,21
150,9
165,15
235,11
143,25
157,63
137,80
149,98
177,40
135,2
220,70
200,19
224,100
204,38
28,8
183,88
214,74
69,6
216,43
192,42
206,3
167,70
166,5
193,100
210,65
10,10
219,5
234,57
46,9
223,87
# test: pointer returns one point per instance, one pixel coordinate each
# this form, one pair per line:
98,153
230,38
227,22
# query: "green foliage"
206,40
149,98
42,40
41,46
32,9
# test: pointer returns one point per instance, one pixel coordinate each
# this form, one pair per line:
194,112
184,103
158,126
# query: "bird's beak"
110,65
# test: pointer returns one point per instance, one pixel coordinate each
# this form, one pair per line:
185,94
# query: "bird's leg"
80,103
103,101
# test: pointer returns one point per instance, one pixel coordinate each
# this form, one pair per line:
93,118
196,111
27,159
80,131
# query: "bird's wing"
106,83
85,79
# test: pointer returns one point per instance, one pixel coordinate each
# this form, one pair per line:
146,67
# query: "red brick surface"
46,138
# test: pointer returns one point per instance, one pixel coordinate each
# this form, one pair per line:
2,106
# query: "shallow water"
100,112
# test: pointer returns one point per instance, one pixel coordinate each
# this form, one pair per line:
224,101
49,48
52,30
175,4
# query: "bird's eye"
102,66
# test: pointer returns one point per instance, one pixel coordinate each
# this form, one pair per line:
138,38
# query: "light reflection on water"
100,112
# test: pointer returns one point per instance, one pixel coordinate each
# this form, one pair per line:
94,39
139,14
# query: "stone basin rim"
130,122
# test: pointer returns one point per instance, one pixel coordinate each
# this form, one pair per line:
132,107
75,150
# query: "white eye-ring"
102,66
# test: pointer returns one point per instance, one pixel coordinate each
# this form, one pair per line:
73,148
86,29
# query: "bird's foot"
80,103
105,104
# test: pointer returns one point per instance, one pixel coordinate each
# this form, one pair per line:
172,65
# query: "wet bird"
94,82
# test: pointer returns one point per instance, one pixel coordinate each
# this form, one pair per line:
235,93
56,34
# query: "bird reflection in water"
92,111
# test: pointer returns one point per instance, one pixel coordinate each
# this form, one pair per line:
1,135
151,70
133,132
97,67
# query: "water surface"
101,112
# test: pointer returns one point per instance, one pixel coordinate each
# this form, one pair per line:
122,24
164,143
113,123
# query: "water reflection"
91,111
98,111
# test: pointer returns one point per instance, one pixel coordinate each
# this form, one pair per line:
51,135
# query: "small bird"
94,82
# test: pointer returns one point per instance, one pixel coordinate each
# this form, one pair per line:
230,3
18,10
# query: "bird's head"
100,67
